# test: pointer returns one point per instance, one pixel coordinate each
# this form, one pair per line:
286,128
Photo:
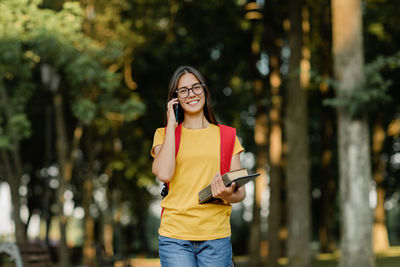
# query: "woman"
193,234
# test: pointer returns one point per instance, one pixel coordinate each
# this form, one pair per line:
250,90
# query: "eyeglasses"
197,89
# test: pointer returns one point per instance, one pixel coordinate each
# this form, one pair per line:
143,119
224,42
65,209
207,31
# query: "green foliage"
132,109
83,70
5,142
84,110
371,95
31,36
19,125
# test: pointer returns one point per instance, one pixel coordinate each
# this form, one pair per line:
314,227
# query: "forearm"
236,196
164,161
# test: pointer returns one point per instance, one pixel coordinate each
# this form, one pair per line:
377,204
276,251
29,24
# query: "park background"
311,87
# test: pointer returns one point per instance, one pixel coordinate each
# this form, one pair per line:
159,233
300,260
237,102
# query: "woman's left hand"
219,190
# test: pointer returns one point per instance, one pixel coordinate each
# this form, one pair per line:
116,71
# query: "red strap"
178,131
228,138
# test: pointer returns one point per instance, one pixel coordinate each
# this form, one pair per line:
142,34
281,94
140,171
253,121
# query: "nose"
191,93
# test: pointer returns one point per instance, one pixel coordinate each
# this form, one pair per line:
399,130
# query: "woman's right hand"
171,111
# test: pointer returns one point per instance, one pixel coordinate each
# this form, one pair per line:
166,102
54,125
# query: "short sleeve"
238,147
158,139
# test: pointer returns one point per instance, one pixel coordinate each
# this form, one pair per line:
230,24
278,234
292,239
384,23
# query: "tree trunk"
275,155
108,234
66,159
380,232
13,169
353,138
89,249
62,151
329,192
48,150
261,140
13,182
273,40
297,167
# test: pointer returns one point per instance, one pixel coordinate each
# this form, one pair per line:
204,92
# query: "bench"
27,254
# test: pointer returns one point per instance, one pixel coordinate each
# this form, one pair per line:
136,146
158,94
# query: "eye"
182,90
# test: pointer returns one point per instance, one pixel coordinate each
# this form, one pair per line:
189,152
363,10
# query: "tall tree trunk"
13,168
275,155
62,151
327,228
66,159
89,249
108,233
321,24
14,183
48,150
297,167
353,135
261,140
272,38
380,232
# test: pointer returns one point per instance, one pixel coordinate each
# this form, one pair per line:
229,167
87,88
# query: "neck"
195,121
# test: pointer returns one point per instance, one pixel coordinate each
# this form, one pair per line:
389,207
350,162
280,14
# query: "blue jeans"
182,253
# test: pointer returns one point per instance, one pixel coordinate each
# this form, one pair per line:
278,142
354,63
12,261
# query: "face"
193,103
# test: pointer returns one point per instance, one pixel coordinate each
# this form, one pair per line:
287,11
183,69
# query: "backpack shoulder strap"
178,131
228,138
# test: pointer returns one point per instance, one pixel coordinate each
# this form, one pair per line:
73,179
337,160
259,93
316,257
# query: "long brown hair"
173,84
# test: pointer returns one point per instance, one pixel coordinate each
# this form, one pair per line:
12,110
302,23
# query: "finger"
232,187
213,187
217,187
172,102
218,179
219,183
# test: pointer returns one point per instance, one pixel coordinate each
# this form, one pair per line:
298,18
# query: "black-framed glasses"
197,89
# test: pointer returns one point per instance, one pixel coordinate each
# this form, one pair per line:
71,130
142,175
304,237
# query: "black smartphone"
176,109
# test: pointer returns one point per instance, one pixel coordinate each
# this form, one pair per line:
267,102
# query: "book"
239,176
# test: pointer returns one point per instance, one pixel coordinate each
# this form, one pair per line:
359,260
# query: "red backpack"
228,138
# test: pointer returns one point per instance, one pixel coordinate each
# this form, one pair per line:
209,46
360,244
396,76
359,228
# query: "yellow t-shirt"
197,162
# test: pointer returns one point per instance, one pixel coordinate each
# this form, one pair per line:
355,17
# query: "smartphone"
176,109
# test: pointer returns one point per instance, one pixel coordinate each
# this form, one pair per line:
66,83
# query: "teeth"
193,102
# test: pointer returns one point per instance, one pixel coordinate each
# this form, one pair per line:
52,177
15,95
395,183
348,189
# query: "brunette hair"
173,84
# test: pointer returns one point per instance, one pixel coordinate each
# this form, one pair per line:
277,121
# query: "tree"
382,39
322,124
353,136
296,128
52,44
260,136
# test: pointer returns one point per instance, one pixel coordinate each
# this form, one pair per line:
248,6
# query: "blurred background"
83,87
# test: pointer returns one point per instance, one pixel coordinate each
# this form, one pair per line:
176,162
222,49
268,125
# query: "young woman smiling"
193,234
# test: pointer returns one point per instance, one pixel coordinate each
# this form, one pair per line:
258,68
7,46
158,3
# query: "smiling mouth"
194,102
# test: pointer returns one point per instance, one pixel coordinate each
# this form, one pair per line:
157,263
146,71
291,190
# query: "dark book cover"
205,195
